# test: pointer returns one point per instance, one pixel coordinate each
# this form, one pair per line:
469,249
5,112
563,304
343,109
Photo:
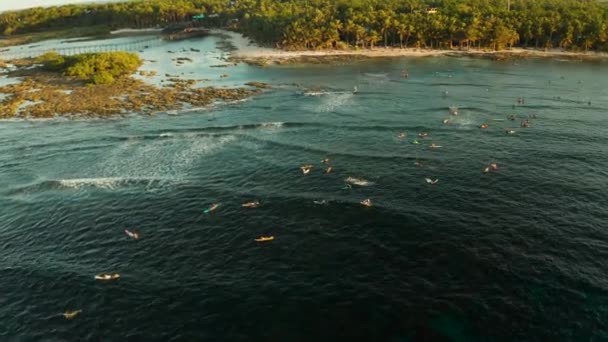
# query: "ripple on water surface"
477,256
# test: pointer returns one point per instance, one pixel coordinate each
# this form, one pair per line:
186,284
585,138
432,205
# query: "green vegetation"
317,24
96,68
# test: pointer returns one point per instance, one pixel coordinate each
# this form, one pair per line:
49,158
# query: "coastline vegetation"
95,68
575,25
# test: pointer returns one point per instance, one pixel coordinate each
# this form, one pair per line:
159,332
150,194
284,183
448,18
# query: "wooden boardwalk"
22,52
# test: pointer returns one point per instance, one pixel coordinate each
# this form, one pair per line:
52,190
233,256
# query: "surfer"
483,126
264,238
446,121
71,314
512,117
328,170
435,146
212,208
402,135
132,234
325,161
305,170
107,276
405,74
492,167
253,204
423,134
432,182
367,202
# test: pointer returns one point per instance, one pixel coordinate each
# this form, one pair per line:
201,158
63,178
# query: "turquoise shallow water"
516,254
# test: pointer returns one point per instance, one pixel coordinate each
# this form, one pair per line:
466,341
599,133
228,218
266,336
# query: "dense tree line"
314,24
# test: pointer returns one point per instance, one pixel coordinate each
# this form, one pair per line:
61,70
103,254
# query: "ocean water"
517,254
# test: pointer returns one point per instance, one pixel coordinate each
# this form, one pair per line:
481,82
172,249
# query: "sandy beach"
247,51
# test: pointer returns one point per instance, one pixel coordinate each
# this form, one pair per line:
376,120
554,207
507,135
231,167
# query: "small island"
100,84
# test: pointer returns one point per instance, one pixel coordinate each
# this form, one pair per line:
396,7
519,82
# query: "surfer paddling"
253,204
306,168
264,238
71,314
107,276
132,234
366,202
492,167
211,208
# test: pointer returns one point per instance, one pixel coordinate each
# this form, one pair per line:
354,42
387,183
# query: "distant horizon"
24,4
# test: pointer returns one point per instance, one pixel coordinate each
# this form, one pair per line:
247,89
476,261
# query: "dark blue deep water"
518,254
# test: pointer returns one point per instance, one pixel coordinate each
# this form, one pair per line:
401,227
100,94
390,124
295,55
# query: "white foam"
465,122
169,160
333,101
358,181
376,75
103,183
272,124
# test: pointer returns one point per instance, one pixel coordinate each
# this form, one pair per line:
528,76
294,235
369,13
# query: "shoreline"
276,56
249,52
